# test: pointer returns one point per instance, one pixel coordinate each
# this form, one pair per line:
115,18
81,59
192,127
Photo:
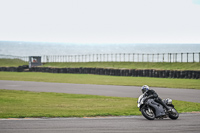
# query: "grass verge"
21,104
12,62
128,65
101,79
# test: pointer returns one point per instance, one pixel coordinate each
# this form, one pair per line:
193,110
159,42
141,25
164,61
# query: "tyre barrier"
112,72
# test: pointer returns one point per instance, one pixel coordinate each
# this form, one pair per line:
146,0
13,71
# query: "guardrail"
117,57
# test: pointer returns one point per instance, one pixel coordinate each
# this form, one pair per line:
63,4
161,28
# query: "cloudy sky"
101,21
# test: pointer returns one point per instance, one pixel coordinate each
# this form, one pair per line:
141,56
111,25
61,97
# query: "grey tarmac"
190,95
187,123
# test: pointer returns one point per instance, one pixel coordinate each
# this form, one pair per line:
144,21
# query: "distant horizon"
93,43
19,48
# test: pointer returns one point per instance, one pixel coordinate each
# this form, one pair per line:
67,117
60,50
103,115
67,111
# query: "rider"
152,94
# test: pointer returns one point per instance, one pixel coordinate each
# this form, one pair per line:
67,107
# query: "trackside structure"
34,61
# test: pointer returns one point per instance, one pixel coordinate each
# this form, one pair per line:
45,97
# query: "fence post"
187,57
163,57
142,57
193,57
158,57
152,57
48,58
181,57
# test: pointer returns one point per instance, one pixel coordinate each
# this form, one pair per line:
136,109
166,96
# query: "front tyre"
174,114
148,113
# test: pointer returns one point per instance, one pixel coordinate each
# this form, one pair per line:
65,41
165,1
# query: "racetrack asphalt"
187,123
190,95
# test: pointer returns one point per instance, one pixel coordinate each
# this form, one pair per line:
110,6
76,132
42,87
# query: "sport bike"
151,109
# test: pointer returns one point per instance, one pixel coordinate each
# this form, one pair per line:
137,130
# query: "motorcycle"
151,109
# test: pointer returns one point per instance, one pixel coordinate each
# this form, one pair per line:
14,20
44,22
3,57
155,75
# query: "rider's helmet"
145,88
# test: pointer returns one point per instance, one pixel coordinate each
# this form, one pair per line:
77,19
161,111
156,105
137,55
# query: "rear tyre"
148,113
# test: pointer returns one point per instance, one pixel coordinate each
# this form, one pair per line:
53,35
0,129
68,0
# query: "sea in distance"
20,48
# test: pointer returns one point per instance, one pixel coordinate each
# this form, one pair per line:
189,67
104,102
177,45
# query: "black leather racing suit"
152,94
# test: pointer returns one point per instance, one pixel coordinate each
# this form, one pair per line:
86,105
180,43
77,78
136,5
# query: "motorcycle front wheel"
148,113
174,114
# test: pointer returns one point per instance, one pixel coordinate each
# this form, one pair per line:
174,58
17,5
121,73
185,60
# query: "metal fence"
117,57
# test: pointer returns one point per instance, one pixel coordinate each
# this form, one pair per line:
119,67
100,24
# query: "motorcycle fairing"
159,110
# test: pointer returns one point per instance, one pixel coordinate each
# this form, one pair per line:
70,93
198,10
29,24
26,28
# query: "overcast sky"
101,21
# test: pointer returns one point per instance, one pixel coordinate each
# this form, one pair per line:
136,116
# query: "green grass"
32,104
128,65
12,62
101,79
21,104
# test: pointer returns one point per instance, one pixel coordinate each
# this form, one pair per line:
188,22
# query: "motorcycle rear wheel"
148,114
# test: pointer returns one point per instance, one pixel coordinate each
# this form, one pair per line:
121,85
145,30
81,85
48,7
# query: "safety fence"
111,72
117,57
